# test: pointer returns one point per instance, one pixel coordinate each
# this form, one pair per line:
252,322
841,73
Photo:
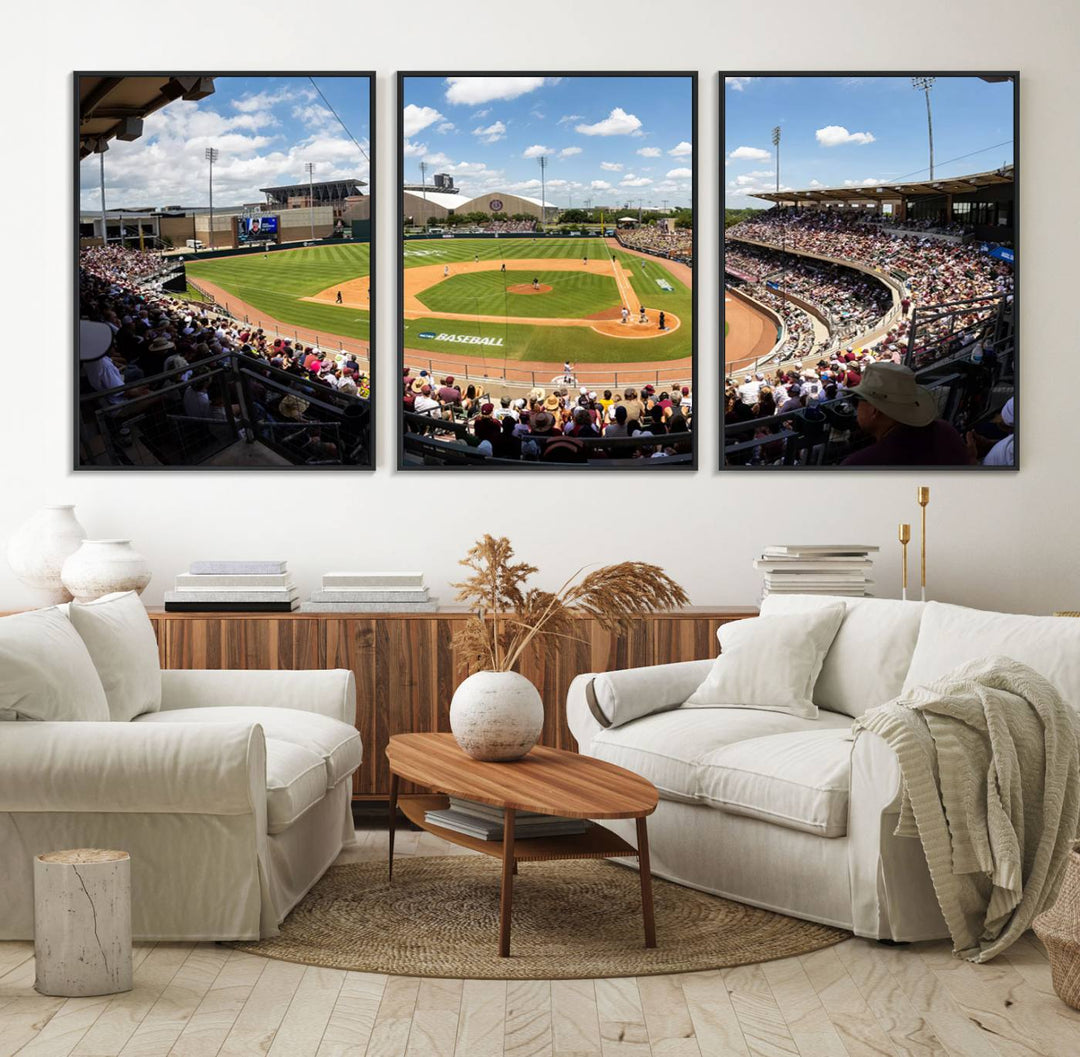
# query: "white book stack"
817,569
234,587
371,593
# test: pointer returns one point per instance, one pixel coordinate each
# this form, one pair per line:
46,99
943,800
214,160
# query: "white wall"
1003,541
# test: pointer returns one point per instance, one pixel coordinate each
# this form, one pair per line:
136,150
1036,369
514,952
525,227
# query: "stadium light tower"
310,167
924,84
101,147
543,195
211,156
776,144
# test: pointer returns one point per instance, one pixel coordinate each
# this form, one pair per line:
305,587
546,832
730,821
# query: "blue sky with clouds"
613,140
844,131
266,129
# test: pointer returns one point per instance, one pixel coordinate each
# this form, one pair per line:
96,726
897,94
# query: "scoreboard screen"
257,229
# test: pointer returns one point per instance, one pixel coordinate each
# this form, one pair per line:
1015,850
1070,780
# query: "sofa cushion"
770,662
121,642
870,656
295,780
953,635
668,748
336,743
799,780
45,670
621,696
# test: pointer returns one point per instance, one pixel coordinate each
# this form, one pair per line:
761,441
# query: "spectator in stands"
902,417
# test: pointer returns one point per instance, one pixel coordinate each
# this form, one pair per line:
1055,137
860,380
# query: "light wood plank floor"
856,999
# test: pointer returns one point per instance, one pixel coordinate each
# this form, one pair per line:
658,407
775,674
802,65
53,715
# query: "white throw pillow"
121,641
770,663
45,670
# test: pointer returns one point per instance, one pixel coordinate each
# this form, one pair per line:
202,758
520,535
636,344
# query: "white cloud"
524,185
535,151
265,100
650,152
600,185
617,123
468,168
492,133
816,183
750,153
737,83
474,91
566,119
680,174
478,114
837,136
438,158
868,182
417,118
681,150
311,115
445,126
630,180
569,152
413,150
612,166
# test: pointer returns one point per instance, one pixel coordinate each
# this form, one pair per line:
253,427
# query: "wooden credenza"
406,667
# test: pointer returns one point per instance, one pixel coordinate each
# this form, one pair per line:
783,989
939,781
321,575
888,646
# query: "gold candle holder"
904,535
923,497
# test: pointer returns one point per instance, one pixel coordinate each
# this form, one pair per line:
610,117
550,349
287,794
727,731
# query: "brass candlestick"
904,535
923,496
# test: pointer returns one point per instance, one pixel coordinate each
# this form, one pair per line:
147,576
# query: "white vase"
496,715
100,567
37,551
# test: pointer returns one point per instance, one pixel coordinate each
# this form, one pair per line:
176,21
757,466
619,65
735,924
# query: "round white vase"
100,567
37,551
496,715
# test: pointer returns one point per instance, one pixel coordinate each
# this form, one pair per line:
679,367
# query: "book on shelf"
246,581
819,549
370,607
221,567
369,580
226,594
231,607
489,829
363,594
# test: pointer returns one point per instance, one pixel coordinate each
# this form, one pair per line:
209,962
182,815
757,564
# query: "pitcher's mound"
528,288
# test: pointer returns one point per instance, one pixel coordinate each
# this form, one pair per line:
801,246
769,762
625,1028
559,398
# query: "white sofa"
794,814
231,792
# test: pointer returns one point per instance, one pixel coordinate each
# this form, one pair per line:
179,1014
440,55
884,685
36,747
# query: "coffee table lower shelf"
596,842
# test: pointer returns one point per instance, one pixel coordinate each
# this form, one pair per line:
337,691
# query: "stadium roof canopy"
114,107
320,190
439,198
954,185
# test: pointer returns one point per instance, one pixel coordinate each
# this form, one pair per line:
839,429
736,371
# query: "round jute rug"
574,918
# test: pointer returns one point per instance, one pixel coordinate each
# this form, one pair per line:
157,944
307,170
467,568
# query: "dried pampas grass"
507,615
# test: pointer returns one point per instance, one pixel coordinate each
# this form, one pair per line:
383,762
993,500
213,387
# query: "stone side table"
82,922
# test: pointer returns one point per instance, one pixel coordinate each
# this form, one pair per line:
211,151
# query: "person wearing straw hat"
902,417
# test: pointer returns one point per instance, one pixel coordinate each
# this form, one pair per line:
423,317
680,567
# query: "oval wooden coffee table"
549,781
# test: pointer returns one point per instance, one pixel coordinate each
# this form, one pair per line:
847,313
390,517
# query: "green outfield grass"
275,282
572,295
528,342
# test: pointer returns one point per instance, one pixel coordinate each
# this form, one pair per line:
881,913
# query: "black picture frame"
372,193
614,465
1014,77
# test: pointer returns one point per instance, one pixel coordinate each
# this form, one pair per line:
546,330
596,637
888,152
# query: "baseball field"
286,286
556,299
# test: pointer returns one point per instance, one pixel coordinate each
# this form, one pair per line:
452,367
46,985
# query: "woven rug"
573,918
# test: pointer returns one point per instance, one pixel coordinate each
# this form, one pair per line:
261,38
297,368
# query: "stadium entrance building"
982,203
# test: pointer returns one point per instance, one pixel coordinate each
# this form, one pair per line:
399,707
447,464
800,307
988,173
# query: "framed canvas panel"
870,282
547,300
224,242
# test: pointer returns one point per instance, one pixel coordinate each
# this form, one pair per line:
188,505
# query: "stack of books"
234,587
817,569
371,593
486,822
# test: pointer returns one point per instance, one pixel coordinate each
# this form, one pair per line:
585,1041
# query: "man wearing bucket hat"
902,417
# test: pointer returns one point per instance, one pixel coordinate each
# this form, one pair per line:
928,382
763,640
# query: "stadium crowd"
506,226
677,245
155,333
550,427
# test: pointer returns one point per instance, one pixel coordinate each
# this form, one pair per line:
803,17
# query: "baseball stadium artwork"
870,271
547,289
225,235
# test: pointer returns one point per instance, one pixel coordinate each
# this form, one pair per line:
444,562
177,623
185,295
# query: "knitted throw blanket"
990,761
